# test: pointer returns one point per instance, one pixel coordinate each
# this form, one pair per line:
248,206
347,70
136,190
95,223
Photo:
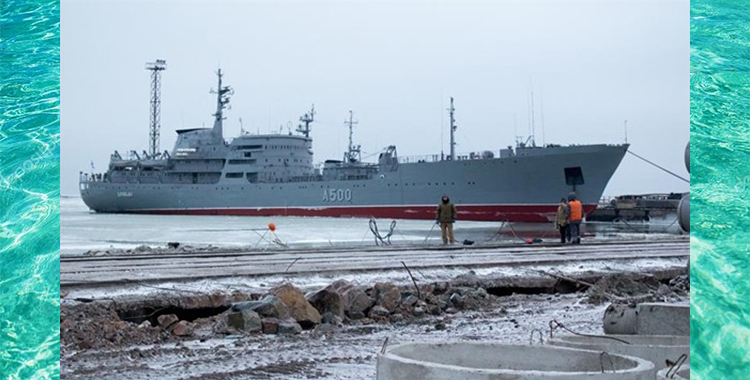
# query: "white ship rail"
92,177
444,157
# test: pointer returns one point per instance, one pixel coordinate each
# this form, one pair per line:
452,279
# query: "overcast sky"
591,65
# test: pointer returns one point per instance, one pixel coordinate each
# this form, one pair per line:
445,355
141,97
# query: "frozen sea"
82,230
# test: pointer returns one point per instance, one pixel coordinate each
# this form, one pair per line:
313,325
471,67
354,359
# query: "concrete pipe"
655,348
683,209
653,318
620,319
682,374
498,361
683,212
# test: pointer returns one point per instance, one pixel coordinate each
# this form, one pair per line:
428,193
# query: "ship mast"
156,68
307,119
353,154
453,131
222,99
533,129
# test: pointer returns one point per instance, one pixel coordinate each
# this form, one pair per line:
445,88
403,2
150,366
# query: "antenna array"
154,129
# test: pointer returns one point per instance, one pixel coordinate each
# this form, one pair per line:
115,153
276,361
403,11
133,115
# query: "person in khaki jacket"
562,221
446,216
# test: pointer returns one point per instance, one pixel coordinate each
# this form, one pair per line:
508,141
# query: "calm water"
720,162
29,189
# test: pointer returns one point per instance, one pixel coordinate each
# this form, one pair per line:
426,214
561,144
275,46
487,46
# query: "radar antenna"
222,99
156,68
306,119
354,153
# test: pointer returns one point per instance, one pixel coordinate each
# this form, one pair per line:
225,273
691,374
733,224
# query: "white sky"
395,63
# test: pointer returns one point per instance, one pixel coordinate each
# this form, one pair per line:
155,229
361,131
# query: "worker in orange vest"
575,212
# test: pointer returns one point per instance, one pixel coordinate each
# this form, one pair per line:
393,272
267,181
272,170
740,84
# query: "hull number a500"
337,195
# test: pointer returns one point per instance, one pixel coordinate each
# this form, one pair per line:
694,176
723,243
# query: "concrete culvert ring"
683,213
655,348
498,361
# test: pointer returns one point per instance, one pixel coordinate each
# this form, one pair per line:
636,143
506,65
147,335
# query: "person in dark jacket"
446,216
562,221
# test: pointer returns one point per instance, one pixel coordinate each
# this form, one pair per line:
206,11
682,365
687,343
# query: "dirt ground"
98,344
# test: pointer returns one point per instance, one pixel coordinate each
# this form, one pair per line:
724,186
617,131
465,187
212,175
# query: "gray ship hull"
520,188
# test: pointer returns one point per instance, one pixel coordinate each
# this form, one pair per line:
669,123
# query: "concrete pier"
189,266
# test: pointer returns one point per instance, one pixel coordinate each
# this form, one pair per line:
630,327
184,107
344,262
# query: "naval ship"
275,174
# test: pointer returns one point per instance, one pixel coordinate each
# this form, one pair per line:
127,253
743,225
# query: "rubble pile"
287,310
629,288
681,283
97,326
284,310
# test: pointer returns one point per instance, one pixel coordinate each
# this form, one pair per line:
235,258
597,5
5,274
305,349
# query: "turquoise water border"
29,189
720,189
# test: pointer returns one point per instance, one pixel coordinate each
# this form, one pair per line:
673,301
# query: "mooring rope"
659,167
385,240
649,230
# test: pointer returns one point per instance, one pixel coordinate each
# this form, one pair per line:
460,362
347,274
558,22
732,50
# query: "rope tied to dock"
429,234
384,240
271,228
659,167
649,231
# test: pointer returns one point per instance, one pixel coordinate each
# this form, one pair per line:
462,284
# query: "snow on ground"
349,353
261,284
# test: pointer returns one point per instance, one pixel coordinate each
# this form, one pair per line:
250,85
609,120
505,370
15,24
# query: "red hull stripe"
512,213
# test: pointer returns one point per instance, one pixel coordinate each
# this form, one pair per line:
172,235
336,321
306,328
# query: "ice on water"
83,230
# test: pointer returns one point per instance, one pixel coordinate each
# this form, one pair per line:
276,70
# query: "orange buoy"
272,227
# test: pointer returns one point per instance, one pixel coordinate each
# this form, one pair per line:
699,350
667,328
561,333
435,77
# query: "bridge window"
234,175
241,162
247,147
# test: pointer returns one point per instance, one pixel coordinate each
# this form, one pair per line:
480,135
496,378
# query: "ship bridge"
269,158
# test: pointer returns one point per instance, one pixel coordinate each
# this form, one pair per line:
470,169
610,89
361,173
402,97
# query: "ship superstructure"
275,174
